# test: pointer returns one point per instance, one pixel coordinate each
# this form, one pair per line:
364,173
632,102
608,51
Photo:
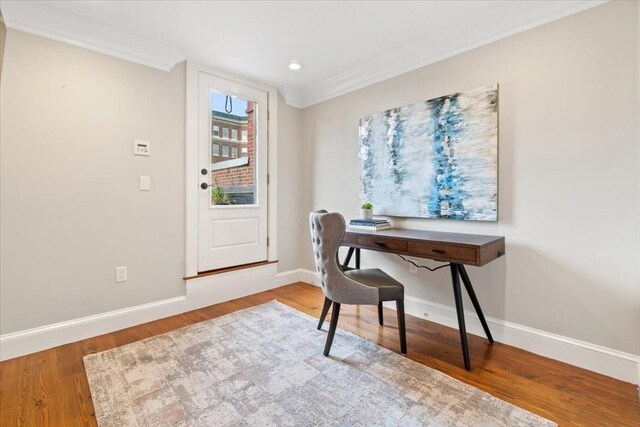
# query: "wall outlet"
121,274
413,269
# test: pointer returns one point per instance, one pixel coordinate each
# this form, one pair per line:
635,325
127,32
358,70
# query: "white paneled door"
232,156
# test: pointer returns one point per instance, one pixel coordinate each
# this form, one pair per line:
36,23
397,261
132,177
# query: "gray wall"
70,206
568,184
3,37
290,209
70,210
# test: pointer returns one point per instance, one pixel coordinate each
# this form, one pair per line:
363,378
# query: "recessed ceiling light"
295,65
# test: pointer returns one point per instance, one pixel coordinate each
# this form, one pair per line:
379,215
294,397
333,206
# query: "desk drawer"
442,251
382,243
349,240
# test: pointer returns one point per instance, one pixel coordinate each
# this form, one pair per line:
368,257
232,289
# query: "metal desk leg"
474,300
347,259
457,295
358,258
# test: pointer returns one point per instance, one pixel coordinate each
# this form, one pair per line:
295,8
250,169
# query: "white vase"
366,213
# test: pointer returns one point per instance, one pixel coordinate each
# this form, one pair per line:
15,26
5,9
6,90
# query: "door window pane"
233,174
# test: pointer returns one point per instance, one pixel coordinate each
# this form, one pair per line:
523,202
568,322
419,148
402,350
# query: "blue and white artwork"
434,159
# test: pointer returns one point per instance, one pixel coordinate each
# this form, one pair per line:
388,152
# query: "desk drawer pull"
381,243
438,251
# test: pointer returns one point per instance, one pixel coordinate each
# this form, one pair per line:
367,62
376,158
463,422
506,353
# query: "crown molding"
37,17
292,96
428,51
40,19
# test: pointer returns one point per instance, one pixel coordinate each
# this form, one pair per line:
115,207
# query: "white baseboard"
309,276
291,276
41,338
606,361
210,290
200,292
613,363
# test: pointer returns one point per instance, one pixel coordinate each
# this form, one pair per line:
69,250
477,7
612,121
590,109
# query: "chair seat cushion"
389,288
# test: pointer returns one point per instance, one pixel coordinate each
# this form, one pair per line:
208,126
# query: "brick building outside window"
235,176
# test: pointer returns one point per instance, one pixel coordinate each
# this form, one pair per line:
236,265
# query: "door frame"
192,171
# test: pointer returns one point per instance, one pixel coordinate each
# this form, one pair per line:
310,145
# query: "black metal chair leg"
325,310
474,300
380,315
358,258
457,295
332,327
401,326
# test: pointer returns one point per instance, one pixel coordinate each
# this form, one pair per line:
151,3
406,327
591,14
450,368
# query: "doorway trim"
193,69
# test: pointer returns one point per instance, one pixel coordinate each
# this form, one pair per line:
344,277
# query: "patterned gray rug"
263,366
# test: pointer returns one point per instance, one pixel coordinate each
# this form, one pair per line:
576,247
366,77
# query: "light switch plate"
145,183
141,148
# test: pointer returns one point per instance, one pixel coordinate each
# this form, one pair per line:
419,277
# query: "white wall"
568,174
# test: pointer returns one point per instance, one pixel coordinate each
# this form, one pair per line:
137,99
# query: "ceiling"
343,45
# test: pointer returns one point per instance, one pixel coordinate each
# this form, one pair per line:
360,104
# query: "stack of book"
369,224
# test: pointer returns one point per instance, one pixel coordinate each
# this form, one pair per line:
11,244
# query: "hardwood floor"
50,388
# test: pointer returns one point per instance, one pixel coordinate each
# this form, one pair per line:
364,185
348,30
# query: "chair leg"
401,326
332,327
380,315
325,310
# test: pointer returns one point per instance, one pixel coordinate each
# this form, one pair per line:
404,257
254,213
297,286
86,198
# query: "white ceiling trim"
42,20
411,57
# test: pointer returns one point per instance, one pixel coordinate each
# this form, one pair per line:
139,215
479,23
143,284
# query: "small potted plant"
366,210
218,196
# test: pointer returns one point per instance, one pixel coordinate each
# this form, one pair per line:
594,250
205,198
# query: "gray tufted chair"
352,286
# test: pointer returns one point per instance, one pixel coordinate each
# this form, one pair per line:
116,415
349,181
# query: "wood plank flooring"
50,388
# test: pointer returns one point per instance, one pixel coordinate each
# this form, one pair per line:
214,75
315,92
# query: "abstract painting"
434,159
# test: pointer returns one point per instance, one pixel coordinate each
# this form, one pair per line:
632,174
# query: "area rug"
263,366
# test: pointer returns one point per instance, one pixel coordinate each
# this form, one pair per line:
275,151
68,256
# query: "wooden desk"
455,248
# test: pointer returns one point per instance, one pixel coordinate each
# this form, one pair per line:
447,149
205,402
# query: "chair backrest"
327,232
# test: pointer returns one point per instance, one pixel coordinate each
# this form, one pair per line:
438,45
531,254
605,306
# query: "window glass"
233,168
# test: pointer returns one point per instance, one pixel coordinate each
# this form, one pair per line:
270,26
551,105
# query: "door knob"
204,185
204,172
